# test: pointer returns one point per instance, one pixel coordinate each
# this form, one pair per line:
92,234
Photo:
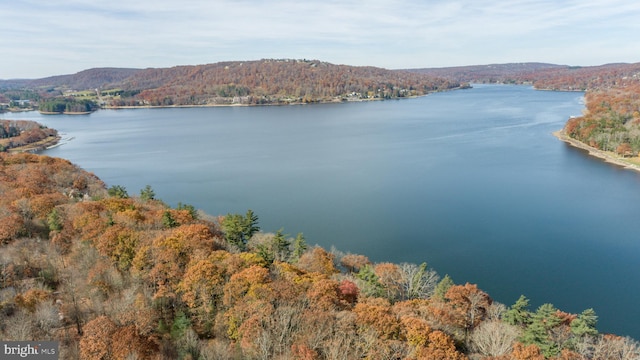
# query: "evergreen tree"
147,193
299,247
518,313
543,321
239,229
168,220
281,246
54,221
443,286
250,224
192,210
585,324
118,191
369,283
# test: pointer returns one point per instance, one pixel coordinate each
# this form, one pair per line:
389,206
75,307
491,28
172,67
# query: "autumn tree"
440,346
494,338
201,289
354,262
96,341
464,307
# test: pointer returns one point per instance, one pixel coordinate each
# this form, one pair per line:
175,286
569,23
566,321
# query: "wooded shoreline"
603,155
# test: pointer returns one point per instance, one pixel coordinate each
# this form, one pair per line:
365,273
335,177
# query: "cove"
471,182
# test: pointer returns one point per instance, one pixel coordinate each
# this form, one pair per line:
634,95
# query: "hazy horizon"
65,37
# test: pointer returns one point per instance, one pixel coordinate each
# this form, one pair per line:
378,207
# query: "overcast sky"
40,38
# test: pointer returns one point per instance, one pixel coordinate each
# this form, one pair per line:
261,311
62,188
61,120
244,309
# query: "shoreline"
337,100
603,155
44,144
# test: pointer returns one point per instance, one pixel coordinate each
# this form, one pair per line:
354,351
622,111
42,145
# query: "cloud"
75,35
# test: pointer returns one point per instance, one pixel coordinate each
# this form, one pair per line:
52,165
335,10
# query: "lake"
471,182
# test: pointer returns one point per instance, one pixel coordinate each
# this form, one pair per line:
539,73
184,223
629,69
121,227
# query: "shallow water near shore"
470,181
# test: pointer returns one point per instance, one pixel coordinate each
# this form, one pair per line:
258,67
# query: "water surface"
472,182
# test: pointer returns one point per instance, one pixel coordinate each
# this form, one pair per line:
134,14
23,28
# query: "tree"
376,313
281,246
494,338
518,313
442,287
201,289
318,260
239,229
440,347
118,191
147,193
522,352
585,324
168,221
624,149
299,247
539,331
54,220
96,341
467,305
354,262
417,281
368,282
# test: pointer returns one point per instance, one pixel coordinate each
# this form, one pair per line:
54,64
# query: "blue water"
470,181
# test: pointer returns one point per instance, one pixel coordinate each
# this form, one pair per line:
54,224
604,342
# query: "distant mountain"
84,80
541,75
492,73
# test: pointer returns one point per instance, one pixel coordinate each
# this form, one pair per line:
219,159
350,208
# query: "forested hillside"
543,76
115,276
276,81
492,73
239,82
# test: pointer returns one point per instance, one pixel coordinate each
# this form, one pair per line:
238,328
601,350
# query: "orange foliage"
354,262
96,340
318,260
377,314
126,343
249,284
467,305
530,352
324,294
440,347
31,298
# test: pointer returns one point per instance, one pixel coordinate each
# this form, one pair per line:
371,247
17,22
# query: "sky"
40,38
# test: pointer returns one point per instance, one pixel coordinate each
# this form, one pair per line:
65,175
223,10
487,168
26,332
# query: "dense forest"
275,81
611,121
116,276
258,82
